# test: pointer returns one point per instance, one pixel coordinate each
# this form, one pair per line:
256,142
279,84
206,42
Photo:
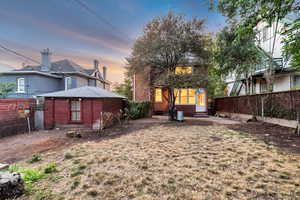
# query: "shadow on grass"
271,134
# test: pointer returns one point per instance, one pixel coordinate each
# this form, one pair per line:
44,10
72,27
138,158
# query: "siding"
34,84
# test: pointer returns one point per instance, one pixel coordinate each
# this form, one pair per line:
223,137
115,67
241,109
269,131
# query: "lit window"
183,70
176,94
21,85
158,95
68,83
75,110
192,96
185,96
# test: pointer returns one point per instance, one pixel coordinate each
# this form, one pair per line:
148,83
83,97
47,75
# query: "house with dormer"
54,76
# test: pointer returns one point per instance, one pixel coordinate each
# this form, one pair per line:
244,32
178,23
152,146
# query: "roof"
83,92
60,67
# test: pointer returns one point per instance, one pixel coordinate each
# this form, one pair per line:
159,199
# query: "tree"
236,55
251,13
124,89
167,42
5,88
292,42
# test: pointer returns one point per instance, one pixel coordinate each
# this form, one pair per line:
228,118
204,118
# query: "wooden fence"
283,105
12,116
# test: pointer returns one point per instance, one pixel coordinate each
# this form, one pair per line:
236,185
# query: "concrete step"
201,114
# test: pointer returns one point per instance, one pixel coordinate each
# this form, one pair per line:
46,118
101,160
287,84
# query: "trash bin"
180,116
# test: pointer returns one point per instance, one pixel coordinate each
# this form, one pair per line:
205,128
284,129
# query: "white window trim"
18,85
66,82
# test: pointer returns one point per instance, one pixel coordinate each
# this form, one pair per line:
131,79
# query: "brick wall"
142,86
112,105
11,121
57,111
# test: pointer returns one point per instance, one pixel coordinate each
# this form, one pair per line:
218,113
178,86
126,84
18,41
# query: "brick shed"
79,106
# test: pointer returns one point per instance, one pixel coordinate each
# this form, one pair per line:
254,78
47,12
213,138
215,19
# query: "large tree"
251,13
6,88
124,89
167,42
236,55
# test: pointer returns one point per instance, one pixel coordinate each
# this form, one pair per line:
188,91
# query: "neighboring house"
78,107
53,76
285,77
192,101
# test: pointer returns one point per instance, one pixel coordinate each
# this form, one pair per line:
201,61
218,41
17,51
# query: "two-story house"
192,101
285,77
50,76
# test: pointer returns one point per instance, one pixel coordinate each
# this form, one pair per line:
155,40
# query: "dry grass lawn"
170,161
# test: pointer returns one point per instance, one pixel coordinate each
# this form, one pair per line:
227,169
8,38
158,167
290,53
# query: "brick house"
80,107
192,101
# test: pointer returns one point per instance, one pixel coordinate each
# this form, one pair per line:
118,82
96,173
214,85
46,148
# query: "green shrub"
50,168
68,156
31,175
139,110
35,158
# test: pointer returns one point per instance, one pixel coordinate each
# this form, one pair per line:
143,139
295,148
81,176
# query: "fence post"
262,108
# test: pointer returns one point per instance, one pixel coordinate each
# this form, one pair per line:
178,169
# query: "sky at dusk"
72,32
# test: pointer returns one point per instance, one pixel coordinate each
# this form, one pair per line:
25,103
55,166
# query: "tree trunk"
171,104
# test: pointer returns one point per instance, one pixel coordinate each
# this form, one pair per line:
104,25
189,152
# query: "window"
75,111
158,95
68,83
183,70
21,85
185,96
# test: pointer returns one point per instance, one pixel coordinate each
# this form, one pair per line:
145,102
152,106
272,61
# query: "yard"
198,159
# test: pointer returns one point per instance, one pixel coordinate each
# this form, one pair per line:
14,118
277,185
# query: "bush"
31,175
50,168
139,110
35,158
68,156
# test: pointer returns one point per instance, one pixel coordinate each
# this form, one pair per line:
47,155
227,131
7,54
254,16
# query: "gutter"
31,72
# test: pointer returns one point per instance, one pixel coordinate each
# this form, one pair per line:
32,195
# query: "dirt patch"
271,134
18,147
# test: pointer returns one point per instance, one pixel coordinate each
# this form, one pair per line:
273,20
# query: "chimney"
46,61
104,72
96,64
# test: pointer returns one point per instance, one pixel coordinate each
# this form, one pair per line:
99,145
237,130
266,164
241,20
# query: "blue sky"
71,32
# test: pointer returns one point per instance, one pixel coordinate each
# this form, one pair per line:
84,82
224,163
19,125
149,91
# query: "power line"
102,19
18,54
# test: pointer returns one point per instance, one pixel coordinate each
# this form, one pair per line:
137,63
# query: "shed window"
68,83
158,95
21,85
75,111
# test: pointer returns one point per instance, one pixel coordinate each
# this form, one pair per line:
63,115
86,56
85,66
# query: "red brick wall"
142,86
112,105
48,113
59,114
